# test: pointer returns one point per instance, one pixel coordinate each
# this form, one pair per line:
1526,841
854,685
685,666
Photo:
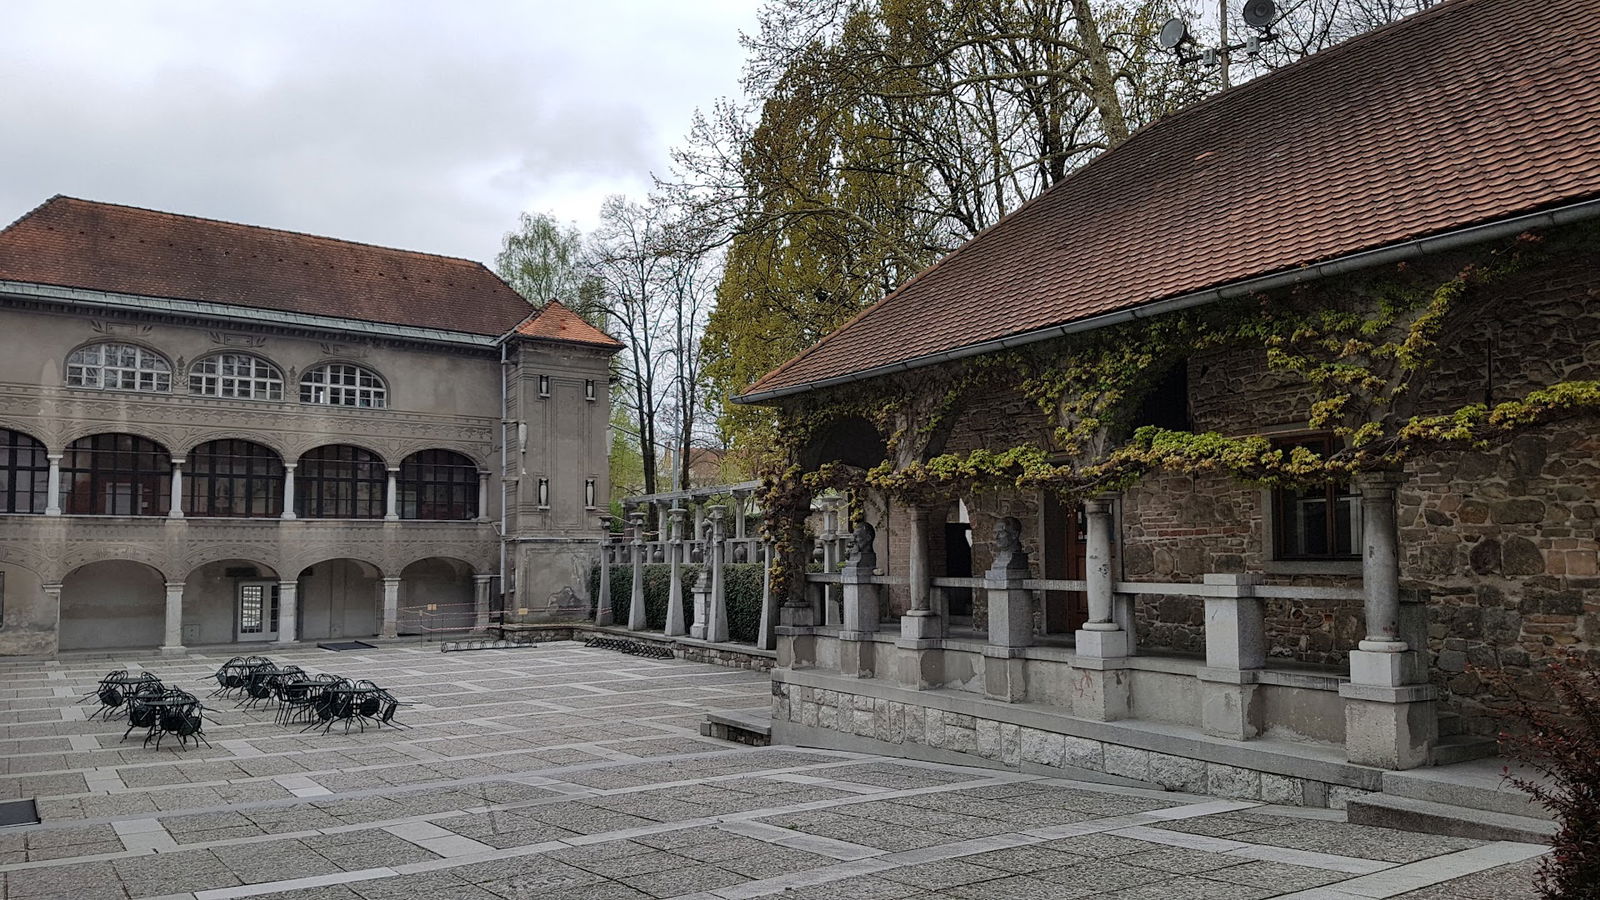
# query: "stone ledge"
1295,759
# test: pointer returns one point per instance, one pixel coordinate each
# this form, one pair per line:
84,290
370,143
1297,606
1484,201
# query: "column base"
605,616
1101,644
173,650
921,625
697,632
1230,705
1100,693
857,658
1384,668
1390,728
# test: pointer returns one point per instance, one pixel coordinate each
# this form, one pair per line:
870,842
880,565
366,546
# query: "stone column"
172,640
480,597
175,499
52,599
921,659
740,498
1010,615
288,611
288,490
1236,650
52,503
766,633
1388,723
391,607
483,496
675,626
717,610
636,616
391,497
1101,682
602,604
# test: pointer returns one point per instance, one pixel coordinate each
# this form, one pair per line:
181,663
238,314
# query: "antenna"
1258,14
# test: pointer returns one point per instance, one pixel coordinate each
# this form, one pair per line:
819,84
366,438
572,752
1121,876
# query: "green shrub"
742,587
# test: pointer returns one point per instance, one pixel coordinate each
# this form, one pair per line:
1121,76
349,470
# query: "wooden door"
1066,552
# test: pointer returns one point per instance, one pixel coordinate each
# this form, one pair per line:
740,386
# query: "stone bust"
1008,554
862,555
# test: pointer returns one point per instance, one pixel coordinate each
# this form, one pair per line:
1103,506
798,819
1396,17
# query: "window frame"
159,369
432,472
1334,495
100,463
350,493
320,378
14,444
261,384
261,480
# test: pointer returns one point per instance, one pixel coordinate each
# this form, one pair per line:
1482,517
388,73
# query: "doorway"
1066,554
257,611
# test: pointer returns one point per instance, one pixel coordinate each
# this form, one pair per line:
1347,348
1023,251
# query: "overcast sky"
424,125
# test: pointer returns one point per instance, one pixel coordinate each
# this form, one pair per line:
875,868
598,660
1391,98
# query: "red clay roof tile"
68,242
1456,116
558,323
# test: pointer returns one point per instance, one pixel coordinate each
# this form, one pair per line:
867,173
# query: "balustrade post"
1101,691
766,634
675,520
1236,649
1389,723
862,606
716,555
1010,615
636,613
832,614
920,628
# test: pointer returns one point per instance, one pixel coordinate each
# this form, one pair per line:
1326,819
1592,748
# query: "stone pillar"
483,496
1388,723
1236,649
832,614
701,594
766,633
858,653
391,607
602,605
288,490
716,555
175,500
921,659
675,626
480,598
1100,679
52,599
172,639
288,611
636,616
52,503
1010,615
741,499
391,497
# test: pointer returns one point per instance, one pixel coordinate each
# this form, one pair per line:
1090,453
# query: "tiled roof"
68,242
558,323
1470,112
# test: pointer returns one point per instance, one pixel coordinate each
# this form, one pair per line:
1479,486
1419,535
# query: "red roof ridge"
562,323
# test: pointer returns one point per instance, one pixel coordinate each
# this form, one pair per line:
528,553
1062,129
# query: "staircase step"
1410,814
1459,748
1478,784
739,726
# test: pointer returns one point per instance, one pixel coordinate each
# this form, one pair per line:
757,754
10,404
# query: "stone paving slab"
564,772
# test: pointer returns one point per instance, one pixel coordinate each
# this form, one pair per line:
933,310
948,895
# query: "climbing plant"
1357,353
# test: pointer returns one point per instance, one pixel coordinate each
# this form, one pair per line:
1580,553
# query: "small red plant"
1561,741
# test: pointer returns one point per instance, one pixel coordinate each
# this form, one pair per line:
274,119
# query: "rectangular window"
1318,522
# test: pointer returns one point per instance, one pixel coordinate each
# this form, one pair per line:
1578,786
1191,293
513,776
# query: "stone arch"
437,596
475,454
80,554
339,596
113,603
210,595
164,437
370,446
851,440
268,440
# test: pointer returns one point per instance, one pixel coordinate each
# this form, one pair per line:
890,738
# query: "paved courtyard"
562,772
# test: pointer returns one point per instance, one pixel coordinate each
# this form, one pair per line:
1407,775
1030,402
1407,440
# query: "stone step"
1460,748
739,726
1411,814
1478,784
1449,724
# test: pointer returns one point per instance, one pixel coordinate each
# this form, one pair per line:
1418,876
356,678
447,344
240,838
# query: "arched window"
438,484
340,482
343,384
116,475
119,367
239,375
24,473
233,478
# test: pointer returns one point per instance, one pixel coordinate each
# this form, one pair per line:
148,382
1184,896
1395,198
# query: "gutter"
1339,265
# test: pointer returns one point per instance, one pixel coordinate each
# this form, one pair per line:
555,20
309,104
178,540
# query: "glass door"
257,611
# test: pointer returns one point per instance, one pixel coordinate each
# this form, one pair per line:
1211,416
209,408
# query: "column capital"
483,579
1381,482
178,462
55,457
291,466
391,580
174,584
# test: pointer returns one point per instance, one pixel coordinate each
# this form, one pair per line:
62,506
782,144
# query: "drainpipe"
505,423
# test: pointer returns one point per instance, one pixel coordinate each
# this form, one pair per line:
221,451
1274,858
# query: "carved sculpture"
862,554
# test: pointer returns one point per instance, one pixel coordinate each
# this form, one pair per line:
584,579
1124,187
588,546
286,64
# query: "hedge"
742,583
